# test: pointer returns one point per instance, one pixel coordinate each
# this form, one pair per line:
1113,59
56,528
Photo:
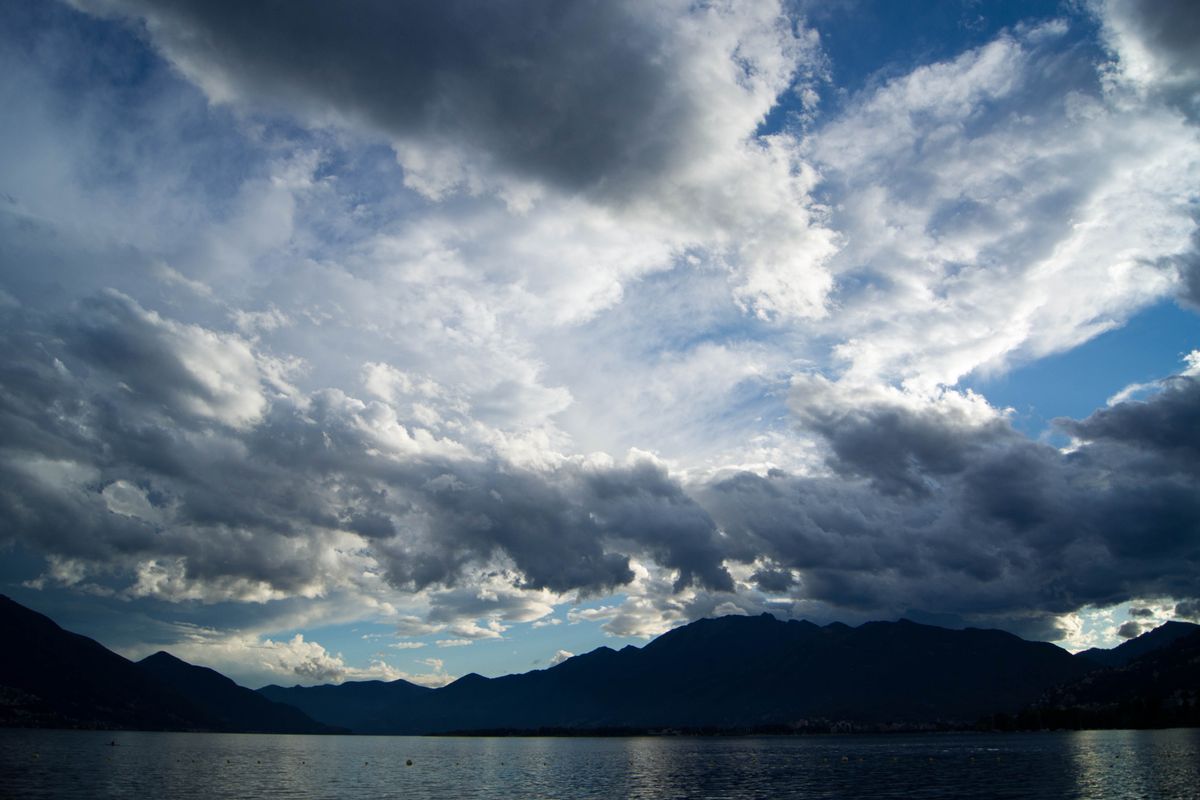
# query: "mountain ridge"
747,672
1151,640
234,707
722,674
53,678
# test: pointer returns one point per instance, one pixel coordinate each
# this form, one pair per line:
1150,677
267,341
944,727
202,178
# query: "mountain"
731,673
1158,689
1122,654
748,673
353,705
50,677
233,707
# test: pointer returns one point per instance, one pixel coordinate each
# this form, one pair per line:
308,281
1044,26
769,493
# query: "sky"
408,340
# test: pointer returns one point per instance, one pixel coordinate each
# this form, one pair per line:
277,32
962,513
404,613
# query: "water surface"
1089,764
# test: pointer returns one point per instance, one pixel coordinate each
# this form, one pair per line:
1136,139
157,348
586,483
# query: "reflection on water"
1142,763
1089,764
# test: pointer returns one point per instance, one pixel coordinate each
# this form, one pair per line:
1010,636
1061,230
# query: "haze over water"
1086,764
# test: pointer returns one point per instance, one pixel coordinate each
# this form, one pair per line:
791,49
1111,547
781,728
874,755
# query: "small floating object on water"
408,763
113,743
35,755
845,759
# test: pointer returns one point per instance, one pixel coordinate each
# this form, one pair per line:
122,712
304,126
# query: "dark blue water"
1093,764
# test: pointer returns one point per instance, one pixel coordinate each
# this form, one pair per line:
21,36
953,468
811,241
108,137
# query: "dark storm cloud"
1167,427
773,580
644,504
1188,266
1132,630
1000,527
1168,30
1188,609
584,95
898,449
128,437
475,512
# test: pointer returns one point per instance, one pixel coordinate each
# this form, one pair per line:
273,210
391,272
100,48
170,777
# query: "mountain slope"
352,705
1122,654
234,707
737,672
1156,690
50,677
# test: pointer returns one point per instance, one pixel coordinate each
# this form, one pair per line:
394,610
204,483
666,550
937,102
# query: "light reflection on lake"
1088,764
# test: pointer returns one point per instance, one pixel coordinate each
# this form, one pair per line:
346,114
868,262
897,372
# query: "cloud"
634,122
1131,630
192,499
255,660
184,369
1000,527
1153,43
593,97
560,656
1188,609
975,217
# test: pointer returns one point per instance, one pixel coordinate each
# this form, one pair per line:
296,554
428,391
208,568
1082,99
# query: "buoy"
408,763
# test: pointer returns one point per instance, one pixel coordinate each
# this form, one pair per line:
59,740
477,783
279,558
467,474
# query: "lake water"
1090,764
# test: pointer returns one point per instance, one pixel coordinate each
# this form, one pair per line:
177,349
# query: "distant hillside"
747,673
234,707
53,678
1125,652
732,673
353,705
1156,690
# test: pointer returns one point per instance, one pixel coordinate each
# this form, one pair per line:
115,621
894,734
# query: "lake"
1088,764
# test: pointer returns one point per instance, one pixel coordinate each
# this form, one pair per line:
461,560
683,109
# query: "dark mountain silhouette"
749,673
353,705
1122,654
1158,689
53,678
234,707
50,677
731,673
